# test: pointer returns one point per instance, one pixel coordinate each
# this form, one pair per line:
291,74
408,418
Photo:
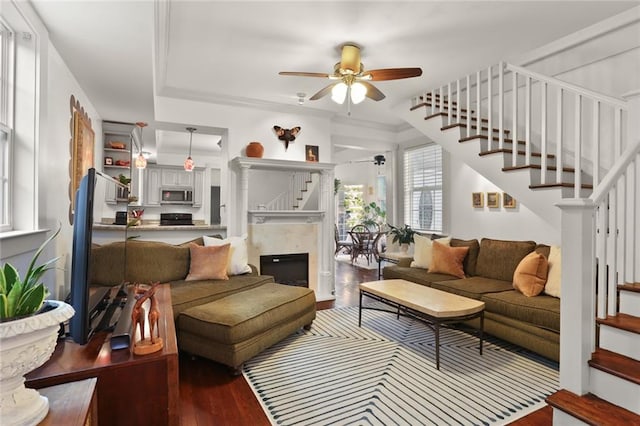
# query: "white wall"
464,221
54,157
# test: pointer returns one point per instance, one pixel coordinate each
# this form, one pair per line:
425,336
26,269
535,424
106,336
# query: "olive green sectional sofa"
530,322
227,321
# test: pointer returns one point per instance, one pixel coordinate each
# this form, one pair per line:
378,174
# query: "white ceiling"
232,51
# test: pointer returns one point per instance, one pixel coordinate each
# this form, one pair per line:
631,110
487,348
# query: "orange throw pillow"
208,262
531,274
448,260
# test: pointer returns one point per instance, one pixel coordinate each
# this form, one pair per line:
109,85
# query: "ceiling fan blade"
350,59
305,74
372,91
394,73
323,92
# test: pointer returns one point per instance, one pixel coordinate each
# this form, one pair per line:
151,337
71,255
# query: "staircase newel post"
578,293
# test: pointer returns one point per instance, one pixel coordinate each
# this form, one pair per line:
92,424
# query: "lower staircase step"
592,410
616,364
510,151
622,321
634,287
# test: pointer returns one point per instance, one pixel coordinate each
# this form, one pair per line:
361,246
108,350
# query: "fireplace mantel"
289,231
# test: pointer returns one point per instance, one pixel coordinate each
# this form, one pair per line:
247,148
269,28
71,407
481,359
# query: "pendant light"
188,163
141,161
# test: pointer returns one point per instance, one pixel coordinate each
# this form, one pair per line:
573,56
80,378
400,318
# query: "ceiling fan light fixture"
339,93
358,92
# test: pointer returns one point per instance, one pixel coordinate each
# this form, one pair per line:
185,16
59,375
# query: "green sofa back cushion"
107,264
471,259
498,259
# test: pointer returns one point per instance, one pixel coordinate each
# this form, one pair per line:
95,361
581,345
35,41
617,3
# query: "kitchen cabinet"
198,187
176,177
152,178
116,160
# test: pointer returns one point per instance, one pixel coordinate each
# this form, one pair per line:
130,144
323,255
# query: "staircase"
298,194
564,152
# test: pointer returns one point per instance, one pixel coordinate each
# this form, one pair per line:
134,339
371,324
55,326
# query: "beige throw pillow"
531,274
239,258
552,288
423,250
208,263
448,260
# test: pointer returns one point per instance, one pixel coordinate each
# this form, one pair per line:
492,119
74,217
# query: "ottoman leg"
236,371
307,326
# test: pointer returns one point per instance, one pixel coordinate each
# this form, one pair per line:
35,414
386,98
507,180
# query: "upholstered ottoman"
235,328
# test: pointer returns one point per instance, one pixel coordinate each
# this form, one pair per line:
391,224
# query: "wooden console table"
131,389
71,404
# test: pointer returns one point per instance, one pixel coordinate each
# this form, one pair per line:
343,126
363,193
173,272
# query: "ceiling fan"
351,79
378,160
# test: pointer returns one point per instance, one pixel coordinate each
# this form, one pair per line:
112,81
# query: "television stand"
126,382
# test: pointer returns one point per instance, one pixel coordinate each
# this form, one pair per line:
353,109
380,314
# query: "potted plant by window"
28,332
403,236
373,216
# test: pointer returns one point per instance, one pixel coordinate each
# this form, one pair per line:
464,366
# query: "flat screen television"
84,300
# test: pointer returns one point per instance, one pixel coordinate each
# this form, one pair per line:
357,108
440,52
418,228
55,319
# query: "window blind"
423,188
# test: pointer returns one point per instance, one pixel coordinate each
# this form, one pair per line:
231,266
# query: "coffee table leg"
481,330
437,331
360,311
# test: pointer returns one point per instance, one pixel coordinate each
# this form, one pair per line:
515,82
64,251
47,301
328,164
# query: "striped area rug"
384,374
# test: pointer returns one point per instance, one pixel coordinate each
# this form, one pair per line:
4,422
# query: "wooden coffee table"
433,307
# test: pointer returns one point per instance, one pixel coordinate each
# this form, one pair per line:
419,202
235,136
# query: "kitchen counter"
104,233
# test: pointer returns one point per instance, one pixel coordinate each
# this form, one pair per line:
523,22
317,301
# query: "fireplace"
289,269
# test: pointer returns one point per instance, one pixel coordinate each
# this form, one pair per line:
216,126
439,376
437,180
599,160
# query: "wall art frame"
508,202
477,200
312,153
493,200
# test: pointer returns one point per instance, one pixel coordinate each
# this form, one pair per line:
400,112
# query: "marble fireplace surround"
272,232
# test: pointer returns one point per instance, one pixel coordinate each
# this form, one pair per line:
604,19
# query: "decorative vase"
255,149
26,344
404,247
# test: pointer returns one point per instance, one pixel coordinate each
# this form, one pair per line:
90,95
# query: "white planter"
25,344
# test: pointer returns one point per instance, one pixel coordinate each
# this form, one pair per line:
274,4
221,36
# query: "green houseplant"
403,235
28,334
24,296
373,215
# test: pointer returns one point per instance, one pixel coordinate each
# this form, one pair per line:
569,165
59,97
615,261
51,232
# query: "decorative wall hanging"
508,202
287,135
81,148
311,153
493,199
477,199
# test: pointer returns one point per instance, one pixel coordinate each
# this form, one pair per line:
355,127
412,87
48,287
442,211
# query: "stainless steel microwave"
176,196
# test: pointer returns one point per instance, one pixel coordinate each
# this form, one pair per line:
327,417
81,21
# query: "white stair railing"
289,199
562,123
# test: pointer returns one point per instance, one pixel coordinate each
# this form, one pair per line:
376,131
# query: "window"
6,122
423,188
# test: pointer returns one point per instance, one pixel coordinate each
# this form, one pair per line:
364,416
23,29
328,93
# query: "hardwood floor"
209,395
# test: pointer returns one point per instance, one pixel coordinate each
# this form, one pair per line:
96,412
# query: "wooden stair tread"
428,104
539,167
510,151
473,126
493,138
616,364
592,410
463,117
633,287
559,185
622,321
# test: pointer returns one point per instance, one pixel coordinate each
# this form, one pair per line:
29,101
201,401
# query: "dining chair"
347,245
363,241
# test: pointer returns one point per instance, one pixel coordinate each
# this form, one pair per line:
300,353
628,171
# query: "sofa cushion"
238,259
186,294
416,275
423,250
107,264
498,259
474,287
470,261
542,311
448,260
552,287
531,274
209,263
231,319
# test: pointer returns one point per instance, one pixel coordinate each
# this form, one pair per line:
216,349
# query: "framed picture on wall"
477,199
508,202
493,199
311,153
